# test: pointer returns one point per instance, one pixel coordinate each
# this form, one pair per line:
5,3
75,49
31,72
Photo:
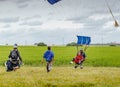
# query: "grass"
61,77
104,56
102,68
96,55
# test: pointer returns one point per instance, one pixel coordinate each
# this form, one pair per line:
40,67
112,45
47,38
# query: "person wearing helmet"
14,60
80,57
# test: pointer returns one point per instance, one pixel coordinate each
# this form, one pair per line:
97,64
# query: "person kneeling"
78,60
14,61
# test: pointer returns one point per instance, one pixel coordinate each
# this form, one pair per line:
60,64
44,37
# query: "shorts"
49,61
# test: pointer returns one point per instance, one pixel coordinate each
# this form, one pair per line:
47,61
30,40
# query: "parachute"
53,1
83,40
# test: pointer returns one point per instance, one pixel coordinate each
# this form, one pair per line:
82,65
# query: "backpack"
14,55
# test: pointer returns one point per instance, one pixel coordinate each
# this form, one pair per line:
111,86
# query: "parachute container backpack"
53,1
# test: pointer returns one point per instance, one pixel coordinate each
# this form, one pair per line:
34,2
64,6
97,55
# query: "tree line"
44,44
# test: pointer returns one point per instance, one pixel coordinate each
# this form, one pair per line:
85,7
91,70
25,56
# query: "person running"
15,60
49,57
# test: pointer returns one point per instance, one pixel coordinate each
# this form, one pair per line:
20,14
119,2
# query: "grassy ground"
61,77
102,68
96,56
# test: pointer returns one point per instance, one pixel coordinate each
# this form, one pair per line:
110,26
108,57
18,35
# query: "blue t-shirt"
48,55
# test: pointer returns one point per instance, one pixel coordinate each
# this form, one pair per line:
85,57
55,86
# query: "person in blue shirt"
49,57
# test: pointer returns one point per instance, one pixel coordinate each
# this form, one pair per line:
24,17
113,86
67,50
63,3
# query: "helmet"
81,49
15,46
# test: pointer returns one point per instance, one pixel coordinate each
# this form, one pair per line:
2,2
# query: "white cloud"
61,25
9,19
108,25
6,26
98,17
32,23
37,20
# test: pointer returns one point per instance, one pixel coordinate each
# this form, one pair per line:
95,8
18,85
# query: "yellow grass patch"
61,77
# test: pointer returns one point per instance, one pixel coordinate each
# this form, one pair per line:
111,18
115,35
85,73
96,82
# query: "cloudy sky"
32,21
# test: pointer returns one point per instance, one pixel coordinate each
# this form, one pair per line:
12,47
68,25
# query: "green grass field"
96,55
101,68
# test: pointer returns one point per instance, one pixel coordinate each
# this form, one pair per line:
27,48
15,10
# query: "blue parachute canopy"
53,1
83,40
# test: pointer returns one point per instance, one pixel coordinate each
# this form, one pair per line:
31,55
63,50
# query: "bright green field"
96,55
105,73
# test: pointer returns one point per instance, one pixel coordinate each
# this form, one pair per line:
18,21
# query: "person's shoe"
48,70
81,67
76,67
71,62
6,67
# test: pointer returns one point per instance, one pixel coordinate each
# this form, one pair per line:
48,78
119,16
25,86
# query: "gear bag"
14,56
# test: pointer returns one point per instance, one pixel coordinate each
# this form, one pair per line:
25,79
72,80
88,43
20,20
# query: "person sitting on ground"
78,60
14,60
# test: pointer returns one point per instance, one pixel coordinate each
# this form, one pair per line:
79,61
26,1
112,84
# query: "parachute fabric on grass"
83,40
53,1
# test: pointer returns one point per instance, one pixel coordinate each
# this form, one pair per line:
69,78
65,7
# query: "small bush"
72,44
41,44
112,45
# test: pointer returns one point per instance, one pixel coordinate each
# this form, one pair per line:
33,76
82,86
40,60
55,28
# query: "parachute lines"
116,23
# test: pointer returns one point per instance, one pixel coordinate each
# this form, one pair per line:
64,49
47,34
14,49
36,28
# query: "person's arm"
84,56
52,57
19,56
42,61
10,55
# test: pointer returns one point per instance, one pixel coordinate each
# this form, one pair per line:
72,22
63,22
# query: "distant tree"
112,44
72,44
41,44
36,44
6,44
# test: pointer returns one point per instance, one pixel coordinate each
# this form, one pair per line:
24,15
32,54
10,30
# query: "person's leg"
48,67
71,62
16,66
81,66
9,66
76,65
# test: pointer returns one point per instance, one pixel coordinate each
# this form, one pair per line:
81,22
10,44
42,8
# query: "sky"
26,22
